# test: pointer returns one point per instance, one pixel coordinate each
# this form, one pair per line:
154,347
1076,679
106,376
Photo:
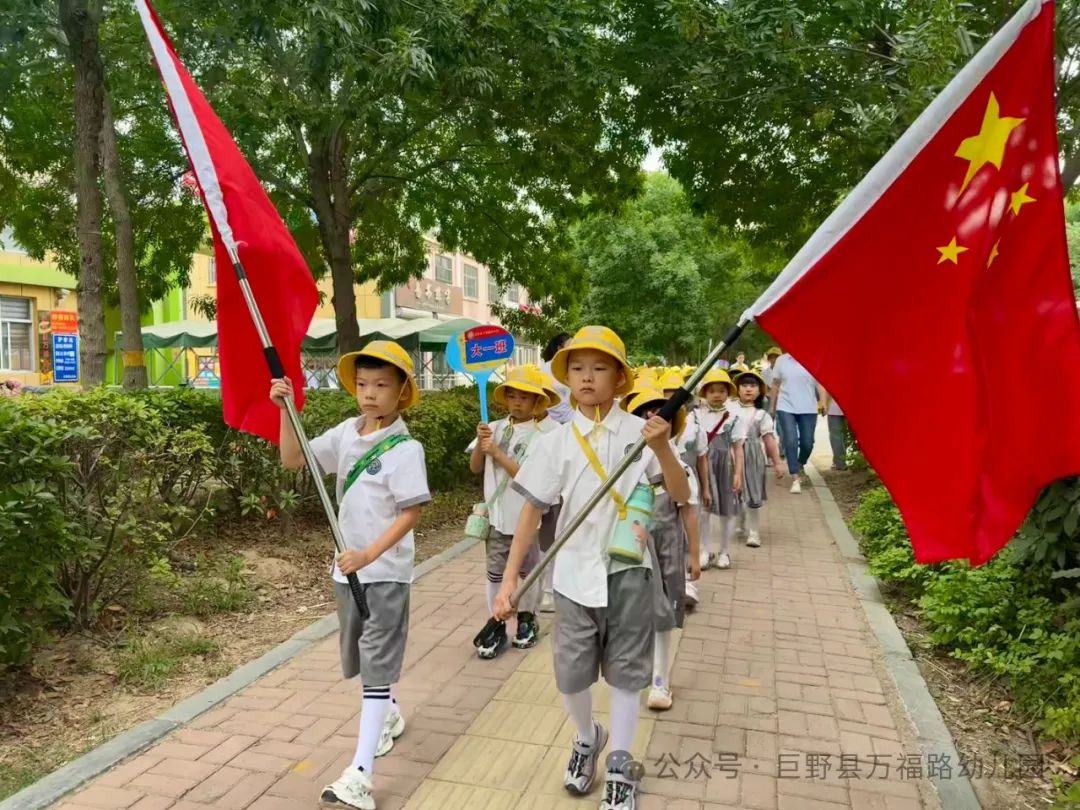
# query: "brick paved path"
776,666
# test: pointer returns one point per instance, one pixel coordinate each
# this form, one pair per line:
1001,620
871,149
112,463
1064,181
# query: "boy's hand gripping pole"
277,372
667,413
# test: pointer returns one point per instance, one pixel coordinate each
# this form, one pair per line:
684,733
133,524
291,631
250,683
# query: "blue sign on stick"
65,350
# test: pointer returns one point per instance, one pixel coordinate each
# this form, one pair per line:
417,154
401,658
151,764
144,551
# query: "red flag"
247,227
936,304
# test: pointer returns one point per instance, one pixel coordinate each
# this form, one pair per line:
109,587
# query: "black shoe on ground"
528,631
493,645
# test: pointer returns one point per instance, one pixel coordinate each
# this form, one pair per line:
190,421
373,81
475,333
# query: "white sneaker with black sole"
352,789
796,487
581,770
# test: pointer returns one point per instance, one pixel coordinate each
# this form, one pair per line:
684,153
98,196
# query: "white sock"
530,600
705,531
492,592
624,717
579,708
661,658
547,578
753,520
727,529
372,718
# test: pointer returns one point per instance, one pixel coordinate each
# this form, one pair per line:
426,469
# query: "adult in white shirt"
795,398
561,413
837,432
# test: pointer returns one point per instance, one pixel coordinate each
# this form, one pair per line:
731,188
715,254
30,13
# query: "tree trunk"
126,279
1070,173
80,20
327,173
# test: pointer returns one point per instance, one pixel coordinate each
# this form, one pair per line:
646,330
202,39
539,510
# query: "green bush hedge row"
97,489
1015,617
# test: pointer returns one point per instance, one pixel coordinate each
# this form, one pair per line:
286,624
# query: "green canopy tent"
173,354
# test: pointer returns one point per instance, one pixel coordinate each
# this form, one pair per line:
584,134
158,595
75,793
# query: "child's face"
378,391
520,404
748,391
593,376
716,394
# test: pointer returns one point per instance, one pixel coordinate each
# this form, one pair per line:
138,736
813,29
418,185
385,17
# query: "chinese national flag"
937,307
246,228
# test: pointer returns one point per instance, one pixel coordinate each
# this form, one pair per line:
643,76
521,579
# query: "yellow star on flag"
993,253
989,145
951,252
1020,199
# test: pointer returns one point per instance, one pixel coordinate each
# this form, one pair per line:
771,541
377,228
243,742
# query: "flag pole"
667,413
277,372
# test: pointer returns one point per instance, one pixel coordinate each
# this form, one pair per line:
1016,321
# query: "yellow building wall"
368,300
44,298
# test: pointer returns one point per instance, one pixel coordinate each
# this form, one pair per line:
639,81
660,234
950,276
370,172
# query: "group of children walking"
619,586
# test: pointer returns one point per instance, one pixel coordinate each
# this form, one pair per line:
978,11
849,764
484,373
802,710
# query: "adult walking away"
837,432
795,397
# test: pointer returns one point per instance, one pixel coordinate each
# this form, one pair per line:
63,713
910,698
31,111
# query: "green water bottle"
625,546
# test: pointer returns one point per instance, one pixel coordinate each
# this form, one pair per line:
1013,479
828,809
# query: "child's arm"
690,521
657,434
476,458
740,459
505,460
352,560
292,457
524,537
772,449
703,477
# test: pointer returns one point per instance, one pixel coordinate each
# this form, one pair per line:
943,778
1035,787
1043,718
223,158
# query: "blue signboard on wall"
65,358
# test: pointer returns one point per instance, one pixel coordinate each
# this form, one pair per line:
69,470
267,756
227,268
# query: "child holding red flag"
604,599
381,486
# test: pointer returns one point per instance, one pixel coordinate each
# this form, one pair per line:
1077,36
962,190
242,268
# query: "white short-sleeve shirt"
693,434
392,483
556,467
798,390
710,419
748,414
562,412
506,509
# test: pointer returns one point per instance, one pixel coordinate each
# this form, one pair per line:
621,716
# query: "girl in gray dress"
724,440
760,442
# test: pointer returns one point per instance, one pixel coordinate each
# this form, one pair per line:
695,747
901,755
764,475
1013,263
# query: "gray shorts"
616,640
375,649
498,551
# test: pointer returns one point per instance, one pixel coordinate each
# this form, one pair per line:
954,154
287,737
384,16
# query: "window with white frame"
513,294
444,269
472,282
493,288
16,334
211,274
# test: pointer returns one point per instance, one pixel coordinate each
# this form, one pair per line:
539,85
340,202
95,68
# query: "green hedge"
1016,617
97,490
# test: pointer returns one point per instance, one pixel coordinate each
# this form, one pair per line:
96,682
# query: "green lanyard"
372,454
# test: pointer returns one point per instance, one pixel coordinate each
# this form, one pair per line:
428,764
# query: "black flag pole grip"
277,372
667,412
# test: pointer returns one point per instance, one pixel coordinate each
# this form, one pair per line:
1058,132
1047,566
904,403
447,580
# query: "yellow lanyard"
598,468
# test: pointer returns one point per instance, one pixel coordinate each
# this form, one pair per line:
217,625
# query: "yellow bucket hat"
388,352
737,378
775,351
717,375
670,381
647,395
528,379
601,339
641,385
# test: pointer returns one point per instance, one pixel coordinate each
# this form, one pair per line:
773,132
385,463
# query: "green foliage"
147,663
659,276
222,589
33,528
1011,618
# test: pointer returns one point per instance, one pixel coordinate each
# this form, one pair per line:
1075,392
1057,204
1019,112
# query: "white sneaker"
660,698
547,602
754,540
706,560
393,728
352,789
723,561
796,487
691,595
